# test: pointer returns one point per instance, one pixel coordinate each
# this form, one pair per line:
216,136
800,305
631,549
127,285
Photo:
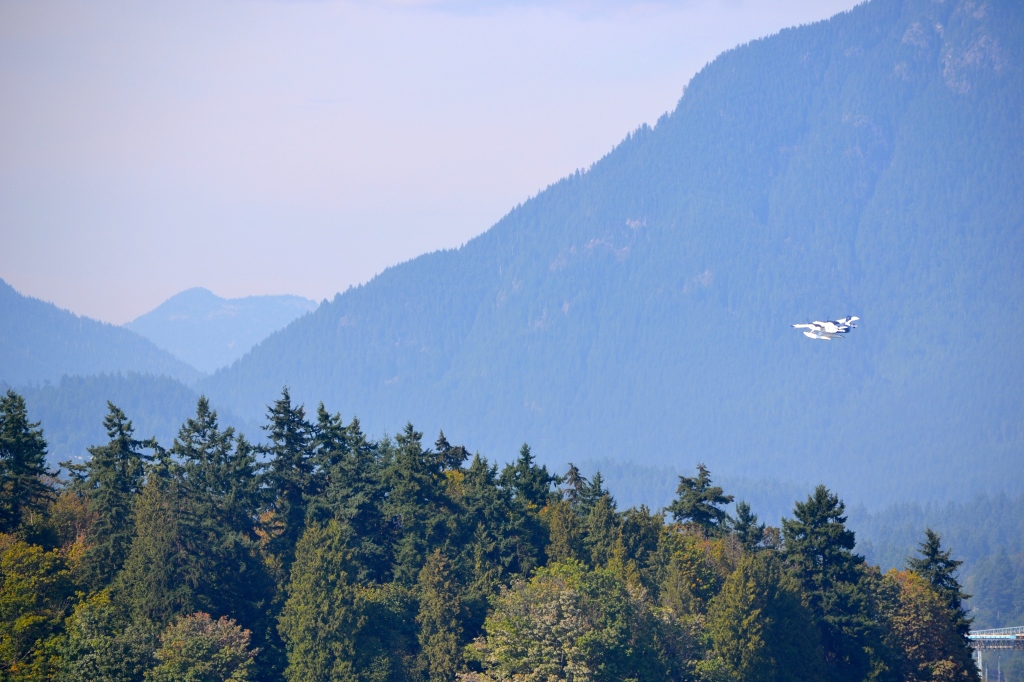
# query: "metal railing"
997,638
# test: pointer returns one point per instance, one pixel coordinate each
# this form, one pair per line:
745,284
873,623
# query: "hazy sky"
257,147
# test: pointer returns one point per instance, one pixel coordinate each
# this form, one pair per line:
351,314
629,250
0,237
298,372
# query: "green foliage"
439,619
321,617
407,553
818,548
101,645
24,490
923,629
700,503
289,472
761,630
940,569
35,587
570,623
197,648
109,482
746,528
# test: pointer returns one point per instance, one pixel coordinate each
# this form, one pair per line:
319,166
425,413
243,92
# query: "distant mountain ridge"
40,342
209,332
871,164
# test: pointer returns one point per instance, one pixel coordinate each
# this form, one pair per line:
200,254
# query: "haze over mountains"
640,310
209,332
39,342
637,313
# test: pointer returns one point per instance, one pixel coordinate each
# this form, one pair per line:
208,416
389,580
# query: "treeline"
325,555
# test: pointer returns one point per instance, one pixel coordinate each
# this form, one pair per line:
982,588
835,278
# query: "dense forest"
326,555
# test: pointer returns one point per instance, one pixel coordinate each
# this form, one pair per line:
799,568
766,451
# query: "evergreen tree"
760,628
321,616
159,579
417,504
290,472
601,529
354,494
576,485
592,492
110,482
439,618
745,527
700,503
819,549
219,500
565,532
24,489
450,456
531,483
940,569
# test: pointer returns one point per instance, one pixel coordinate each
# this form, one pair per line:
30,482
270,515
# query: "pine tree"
531,483
24,490
819,549
439,618
290,471
939,569
577,485
417,504
111,481
746,528
700,503
353,493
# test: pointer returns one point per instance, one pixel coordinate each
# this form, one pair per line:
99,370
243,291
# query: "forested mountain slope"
872,164
209,332
39,342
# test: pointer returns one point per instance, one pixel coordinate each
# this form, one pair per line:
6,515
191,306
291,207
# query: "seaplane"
829,329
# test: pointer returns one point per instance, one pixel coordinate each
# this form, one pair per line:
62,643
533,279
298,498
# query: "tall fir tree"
417,504
350,476
531,483
745,527
819,549
939,568
111,481
24,487
700,503
289,472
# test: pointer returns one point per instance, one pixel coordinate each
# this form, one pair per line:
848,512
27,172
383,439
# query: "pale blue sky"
257,147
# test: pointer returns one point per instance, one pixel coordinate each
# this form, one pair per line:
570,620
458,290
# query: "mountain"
209,332
640,311
39,342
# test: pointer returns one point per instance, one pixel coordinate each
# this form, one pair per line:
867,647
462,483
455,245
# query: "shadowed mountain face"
640,311
209,332
40,342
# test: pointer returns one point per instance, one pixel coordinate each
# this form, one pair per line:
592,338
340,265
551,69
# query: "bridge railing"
997,638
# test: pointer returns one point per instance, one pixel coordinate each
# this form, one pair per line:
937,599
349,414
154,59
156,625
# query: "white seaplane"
829,329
